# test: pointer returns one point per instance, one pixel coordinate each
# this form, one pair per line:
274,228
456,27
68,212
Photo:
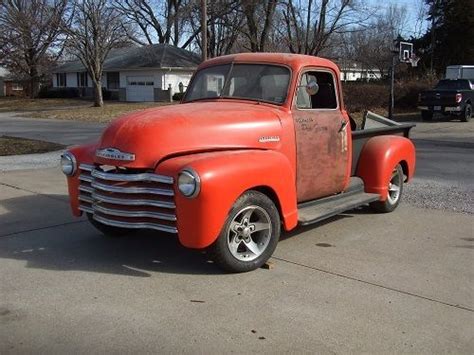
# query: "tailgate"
438,98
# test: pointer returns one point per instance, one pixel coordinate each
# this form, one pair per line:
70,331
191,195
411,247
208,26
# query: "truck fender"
378,158
224,177
84,154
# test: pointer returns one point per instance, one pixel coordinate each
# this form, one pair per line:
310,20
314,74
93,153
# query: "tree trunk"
98,99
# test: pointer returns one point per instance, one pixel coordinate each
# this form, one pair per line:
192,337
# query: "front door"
321,137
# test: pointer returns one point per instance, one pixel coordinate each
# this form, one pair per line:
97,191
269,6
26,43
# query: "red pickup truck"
261,142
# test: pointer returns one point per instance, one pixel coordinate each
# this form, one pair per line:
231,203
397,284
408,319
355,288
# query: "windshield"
454,84
260,82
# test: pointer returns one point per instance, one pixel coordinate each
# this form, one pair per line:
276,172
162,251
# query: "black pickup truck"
453,97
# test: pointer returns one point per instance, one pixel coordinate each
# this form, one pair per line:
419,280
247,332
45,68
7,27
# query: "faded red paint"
219,138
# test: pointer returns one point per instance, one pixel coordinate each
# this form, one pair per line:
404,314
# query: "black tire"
231,250
466,115
426,115
108,231
395,195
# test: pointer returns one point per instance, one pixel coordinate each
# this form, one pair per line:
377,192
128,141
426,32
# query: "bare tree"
30,29
259,17
308,30
224,24
96,29
158,21
372,47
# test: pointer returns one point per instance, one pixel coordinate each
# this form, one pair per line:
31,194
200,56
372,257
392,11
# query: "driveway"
62,132
361,282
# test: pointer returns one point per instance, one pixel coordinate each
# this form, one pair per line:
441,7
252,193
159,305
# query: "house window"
17,87
82,79
113,80
61,80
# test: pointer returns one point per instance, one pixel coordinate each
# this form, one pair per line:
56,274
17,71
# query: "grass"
20,104
110,111
19,146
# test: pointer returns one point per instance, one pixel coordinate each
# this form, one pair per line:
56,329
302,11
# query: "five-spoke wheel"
250,234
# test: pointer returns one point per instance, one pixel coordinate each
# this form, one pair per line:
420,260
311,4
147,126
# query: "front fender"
83,154
378,158
224,177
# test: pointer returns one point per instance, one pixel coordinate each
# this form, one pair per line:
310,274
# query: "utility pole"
392,90
204,29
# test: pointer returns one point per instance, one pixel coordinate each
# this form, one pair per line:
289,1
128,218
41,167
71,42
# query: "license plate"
437,108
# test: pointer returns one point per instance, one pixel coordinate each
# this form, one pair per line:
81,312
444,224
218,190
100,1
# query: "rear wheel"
466,115
108,231
426,115
250,234
395,190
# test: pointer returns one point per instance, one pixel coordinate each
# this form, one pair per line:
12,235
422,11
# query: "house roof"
163,56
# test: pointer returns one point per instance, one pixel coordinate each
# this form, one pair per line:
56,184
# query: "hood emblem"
115,154
266,139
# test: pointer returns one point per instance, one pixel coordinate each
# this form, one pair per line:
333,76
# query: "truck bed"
375,125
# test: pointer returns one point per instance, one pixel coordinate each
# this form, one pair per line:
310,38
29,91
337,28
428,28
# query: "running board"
316,211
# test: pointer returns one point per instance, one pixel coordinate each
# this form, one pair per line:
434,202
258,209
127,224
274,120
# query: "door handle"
343,126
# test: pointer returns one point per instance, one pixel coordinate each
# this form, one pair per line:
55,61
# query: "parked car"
449,97
259,144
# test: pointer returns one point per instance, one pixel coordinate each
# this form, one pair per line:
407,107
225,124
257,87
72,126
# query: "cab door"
322,137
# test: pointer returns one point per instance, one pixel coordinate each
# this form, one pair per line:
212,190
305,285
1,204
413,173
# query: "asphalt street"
361,282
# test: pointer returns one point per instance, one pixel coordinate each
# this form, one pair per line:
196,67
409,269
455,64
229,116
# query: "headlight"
68,164
189,183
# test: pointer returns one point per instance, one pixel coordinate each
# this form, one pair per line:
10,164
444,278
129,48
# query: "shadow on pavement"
76,245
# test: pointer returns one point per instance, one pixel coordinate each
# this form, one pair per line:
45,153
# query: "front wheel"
395,190
466,115
249,236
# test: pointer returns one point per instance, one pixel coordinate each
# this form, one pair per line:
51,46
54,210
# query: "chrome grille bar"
132,202
86,189
144,214
131,189
137,225
86,167
132,177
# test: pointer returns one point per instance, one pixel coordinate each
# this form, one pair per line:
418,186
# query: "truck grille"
127,199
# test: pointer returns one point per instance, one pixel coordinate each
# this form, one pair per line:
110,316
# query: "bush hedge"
58,93
360,96
178,96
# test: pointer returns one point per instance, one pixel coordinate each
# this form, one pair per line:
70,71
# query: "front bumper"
440,108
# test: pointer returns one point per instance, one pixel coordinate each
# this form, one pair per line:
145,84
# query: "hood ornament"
114,154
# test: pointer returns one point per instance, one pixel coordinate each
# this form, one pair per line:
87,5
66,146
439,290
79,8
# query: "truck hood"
152,135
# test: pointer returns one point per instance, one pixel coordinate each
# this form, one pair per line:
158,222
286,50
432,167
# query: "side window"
325,98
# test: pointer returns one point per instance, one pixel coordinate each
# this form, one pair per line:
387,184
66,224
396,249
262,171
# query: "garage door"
140,88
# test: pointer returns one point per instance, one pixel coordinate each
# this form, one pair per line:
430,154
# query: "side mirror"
312,88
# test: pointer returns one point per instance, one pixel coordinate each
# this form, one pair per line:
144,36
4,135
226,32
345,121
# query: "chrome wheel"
249,233
394,186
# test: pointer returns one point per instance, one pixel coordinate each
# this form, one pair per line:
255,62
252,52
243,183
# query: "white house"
352,71
148,73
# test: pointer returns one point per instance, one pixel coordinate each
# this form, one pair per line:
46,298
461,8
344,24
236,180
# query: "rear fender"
224,177
379,157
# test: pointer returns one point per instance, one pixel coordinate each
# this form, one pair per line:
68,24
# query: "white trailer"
460,72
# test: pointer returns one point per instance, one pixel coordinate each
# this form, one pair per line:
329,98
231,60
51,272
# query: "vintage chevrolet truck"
260,142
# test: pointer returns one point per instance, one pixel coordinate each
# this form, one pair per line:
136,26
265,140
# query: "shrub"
106,94
178,96
359,96
58,93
